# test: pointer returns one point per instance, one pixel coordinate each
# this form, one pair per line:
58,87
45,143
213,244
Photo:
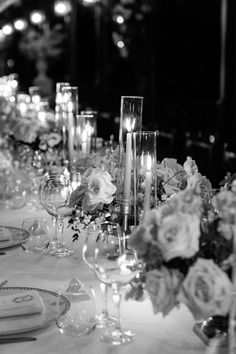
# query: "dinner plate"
54,305
18,236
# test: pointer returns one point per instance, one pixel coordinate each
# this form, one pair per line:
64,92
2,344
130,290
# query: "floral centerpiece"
92,199
27,132
185,260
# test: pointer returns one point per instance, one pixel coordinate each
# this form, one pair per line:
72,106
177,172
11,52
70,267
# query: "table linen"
154,334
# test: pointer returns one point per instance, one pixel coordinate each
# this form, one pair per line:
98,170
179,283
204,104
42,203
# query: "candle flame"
130,123
149,163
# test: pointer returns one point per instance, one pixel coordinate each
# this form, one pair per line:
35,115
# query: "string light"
7,29
20,24
120,19
120,44
62,8
37,17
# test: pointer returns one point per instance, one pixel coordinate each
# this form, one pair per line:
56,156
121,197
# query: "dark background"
179,58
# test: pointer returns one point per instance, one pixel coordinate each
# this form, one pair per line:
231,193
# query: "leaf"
75,237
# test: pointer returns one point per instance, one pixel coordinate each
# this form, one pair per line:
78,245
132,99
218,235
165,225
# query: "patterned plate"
18,236
54,306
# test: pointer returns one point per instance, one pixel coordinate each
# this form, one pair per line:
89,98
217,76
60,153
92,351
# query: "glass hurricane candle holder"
70,110
59,103
35,95
86,133
145,174
130,121
91,120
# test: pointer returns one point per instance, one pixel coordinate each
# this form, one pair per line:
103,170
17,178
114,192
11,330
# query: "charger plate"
54,305
18,236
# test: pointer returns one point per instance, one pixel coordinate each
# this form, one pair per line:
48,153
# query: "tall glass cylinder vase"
130,121
59,103
90,127
70,110
145,176
86,133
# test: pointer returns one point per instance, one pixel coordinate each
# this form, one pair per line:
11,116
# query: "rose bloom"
188,201
100,187
178,236
162,287
190,166
206,290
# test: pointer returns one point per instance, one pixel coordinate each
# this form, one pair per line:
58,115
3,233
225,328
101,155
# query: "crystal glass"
55,192
107,232
80,318
115,266
35,169
15,194
39,234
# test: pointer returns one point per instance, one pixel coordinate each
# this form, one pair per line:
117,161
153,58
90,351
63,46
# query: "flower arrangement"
91,199
185,262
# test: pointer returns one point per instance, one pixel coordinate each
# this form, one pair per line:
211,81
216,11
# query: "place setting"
24,310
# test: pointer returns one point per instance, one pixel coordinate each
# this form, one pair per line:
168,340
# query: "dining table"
155,333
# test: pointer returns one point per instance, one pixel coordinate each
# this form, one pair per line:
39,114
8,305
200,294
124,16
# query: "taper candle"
148,184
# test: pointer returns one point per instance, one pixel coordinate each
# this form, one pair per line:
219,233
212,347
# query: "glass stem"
54,227
104,289
116,297
60,226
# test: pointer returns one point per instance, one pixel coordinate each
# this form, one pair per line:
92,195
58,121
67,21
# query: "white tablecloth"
154,334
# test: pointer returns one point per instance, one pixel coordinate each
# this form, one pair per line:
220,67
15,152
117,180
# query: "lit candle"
22,108
70,122
84,142
148,184
128,163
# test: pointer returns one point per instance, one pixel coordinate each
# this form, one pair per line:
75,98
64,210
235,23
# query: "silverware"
5,340
3,283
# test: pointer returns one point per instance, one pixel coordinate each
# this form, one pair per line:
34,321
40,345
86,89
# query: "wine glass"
54,192
115,266
107,233
35,168
39,234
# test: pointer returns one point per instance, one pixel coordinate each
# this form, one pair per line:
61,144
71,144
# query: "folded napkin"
5,234
22,303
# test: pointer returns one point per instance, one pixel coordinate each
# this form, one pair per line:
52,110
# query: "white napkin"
5,234
22,303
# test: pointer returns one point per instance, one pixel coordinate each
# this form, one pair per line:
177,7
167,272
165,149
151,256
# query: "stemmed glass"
115,266
54,192
107,233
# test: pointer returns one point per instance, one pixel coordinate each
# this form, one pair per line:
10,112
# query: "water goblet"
107,232
39,234
55,192
115,266
79,320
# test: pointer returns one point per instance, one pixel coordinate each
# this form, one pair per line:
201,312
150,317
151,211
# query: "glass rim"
65,88
143,132
140,97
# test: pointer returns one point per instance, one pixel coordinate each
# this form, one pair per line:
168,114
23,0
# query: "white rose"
178,236
100,187
206,290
